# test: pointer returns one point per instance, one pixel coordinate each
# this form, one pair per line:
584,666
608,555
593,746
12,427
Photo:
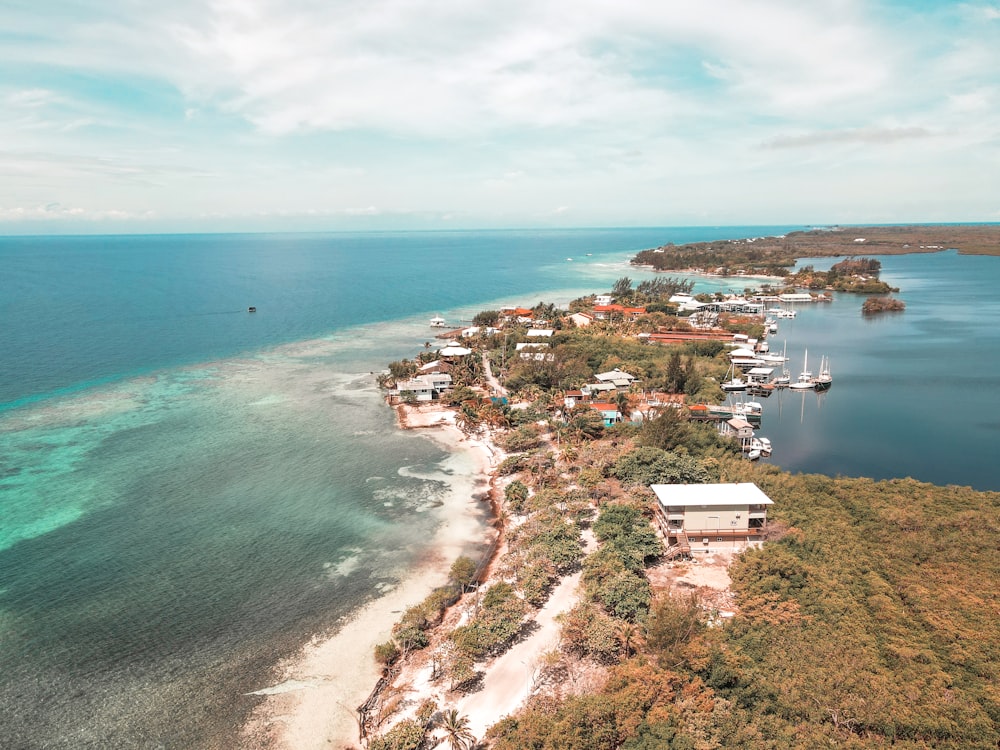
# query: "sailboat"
734,382
805,381
824,380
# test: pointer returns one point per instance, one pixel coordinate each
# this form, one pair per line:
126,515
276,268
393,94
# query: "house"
425,387
741,430
619,378
609,412
453,350
581,319
686,302
619,312
539,333
603,299
520,314
572,398
711,517
590,389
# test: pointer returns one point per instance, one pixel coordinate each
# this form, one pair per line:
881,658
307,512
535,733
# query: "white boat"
824,380
734,382
437,322
748,409
780,312
805,381
753,454
773,358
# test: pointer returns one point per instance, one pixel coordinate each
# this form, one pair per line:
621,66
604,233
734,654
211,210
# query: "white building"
618,378
711,517
425,387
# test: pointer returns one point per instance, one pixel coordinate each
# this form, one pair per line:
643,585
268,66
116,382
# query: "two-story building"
711,517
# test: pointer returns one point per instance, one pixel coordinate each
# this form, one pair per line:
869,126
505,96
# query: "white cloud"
448,107
56,212
867,136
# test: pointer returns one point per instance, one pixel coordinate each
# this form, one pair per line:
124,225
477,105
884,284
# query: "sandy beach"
313,703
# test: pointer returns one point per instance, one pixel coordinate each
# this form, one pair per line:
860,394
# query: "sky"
316,115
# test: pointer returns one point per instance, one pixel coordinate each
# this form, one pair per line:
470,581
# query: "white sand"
313,704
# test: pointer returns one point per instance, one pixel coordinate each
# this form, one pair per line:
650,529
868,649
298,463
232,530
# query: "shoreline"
313,701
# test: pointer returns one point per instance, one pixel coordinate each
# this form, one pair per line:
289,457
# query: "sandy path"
510,677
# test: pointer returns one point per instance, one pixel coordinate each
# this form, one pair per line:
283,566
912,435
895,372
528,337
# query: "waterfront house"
581,319
425,387
739,429
711,517
417,388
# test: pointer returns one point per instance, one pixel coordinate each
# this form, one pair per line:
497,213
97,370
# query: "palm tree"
456,730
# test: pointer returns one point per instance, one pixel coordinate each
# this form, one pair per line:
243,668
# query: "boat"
251,309
773,358
750,411
805,381
753,454
437,322
735,382
824,380
781,312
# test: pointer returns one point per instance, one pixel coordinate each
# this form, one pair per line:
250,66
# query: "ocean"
190,492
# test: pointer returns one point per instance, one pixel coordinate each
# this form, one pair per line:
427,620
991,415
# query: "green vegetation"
875,305
872,623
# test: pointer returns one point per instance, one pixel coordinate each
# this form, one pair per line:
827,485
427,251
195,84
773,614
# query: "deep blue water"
188,491
83,310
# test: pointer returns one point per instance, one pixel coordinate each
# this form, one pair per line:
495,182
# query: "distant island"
775,256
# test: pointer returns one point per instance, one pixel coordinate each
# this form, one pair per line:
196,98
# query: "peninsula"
865,616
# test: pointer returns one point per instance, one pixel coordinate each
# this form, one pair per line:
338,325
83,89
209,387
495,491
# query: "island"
874,305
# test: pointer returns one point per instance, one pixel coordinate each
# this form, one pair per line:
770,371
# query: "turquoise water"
189,492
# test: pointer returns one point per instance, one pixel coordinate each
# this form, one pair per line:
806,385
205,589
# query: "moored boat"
824,380
805,381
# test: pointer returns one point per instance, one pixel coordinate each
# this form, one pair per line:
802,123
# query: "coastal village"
559,592
651,579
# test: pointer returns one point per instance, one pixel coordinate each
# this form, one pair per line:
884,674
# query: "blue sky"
232,115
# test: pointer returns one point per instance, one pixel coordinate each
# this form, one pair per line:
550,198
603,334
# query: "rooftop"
742,493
